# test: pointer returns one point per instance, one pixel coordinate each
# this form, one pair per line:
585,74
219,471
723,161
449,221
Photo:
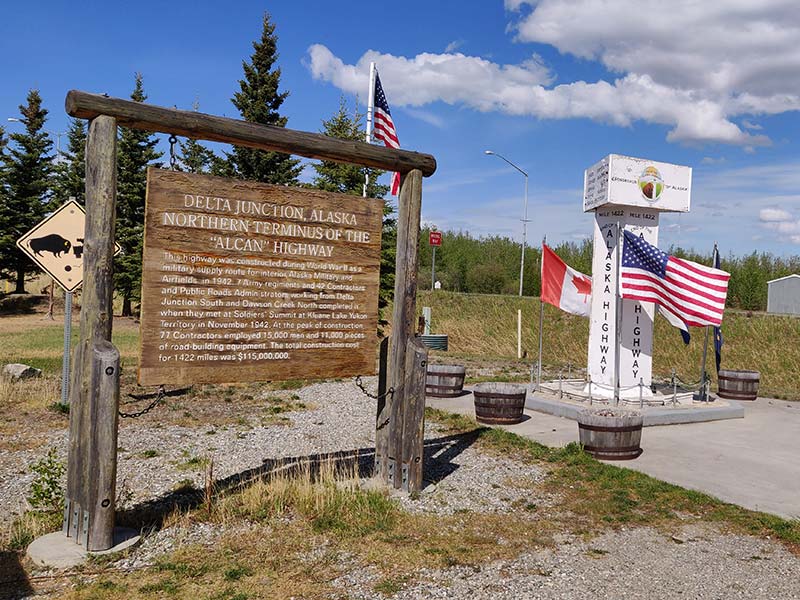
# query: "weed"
29,526
236,573
46,491
391,585
150,453
59,408
167,585
195,463
184,485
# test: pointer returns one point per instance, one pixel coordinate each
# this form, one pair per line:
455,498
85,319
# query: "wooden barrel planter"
738,385
445,381
499,403
611,433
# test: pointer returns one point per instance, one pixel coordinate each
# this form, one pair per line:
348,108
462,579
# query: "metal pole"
703,390
641,393
618,316
433,269
524,236
370,110
541,314
67,340
524,215
674,388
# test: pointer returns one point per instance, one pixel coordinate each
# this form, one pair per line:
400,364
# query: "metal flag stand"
541,315
704,380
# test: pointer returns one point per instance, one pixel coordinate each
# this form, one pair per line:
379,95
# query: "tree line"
491,265
34,180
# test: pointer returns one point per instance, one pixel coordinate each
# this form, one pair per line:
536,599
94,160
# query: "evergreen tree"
194,157
258,101
135,151
346,178
70,171
26,186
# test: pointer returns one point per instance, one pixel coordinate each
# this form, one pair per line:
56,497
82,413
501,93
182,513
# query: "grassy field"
486,327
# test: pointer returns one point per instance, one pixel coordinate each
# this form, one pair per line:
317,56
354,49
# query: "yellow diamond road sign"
56,245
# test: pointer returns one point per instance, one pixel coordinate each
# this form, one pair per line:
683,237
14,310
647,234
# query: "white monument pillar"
625,194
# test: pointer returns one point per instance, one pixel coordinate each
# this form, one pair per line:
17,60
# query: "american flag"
692,292
383,126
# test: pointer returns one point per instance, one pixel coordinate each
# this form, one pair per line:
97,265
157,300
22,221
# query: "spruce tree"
135,151
259,101
70,170
194,157
26,186
346,178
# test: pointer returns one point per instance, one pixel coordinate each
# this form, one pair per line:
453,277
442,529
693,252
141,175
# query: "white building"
783,295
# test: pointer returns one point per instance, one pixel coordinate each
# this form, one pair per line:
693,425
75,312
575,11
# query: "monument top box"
627,181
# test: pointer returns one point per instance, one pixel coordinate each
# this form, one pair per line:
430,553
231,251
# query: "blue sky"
552,85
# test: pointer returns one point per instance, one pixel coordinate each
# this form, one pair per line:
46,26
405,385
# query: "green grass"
485,327
605,494
41,344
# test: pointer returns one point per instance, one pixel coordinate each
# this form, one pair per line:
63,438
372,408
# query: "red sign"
435,238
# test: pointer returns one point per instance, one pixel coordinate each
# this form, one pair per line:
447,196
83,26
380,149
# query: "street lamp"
524,218
58,134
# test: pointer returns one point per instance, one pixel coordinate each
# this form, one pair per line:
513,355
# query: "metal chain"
173,159
389,393
161,393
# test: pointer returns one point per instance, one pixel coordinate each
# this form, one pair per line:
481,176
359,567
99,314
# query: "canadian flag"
563,286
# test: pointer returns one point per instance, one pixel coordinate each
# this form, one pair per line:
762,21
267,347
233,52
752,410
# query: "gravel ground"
698,561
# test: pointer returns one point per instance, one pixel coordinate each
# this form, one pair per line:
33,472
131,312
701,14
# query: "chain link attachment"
160,396
173,158
389,393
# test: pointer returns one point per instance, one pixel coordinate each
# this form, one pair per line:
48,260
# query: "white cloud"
453,46
693,67
768,215
710,160
736,45
428,78
521,90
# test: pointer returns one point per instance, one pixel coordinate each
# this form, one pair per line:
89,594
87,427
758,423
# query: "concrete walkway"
753,462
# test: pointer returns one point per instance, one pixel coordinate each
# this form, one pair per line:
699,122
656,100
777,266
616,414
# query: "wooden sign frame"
91,472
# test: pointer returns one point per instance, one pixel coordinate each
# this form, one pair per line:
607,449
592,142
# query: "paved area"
753,462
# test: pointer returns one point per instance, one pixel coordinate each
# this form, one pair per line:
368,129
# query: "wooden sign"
244,281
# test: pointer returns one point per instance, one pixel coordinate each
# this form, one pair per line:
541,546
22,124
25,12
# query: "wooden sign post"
91,479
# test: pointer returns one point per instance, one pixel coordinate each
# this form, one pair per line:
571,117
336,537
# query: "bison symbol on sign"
53,243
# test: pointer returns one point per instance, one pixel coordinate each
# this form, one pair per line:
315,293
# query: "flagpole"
618,319
370,110
703,392
541,315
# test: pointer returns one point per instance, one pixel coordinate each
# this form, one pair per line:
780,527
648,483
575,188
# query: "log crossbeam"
201,126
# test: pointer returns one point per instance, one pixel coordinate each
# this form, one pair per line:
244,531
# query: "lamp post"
524,218
57,134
